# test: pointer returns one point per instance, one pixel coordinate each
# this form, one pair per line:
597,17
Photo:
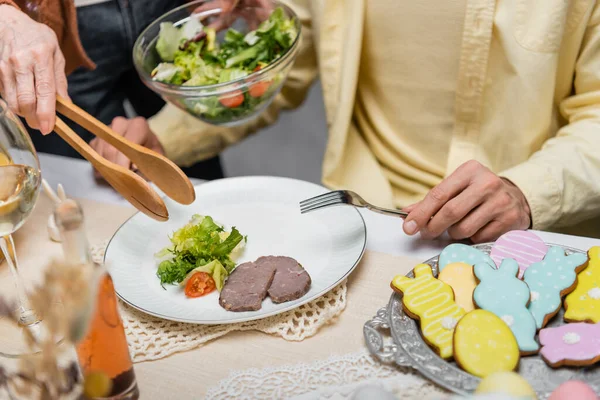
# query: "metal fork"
344,197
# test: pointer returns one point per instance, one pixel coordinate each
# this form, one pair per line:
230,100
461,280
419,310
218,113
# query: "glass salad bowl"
213,88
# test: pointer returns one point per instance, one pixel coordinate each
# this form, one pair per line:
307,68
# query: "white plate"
328,243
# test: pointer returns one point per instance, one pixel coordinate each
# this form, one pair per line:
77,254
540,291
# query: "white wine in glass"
20,180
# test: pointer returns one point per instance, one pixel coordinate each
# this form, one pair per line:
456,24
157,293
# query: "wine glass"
20,179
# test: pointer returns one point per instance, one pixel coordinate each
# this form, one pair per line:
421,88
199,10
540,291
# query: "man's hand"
135,130
472,203
32,68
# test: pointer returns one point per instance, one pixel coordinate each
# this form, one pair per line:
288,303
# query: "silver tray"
395,338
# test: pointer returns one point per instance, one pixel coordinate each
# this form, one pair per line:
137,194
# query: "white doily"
152,338
336,378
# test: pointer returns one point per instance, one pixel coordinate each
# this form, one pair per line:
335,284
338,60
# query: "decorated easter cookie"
583,303
551,279
502,293
460,277
483,344
524,247
462,253
571,390
573,344
506,382
431,301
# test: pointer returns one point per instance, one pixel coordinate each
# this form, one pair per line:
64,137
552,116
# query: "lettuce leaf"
197,244
214,269
169,73
171,37
168,41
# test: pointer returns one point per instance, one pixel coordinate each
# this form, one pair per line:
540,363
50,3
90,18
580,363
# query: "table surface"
188,375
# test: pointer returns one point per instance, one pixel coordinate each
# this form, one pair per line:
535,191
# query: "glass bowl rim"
180,89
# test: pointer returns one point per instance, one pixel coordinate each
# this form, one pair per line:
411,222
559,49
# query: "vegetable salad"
206,62
201,246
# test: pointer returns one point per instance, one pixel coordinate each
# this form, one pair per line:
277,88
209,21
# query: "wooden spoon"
131,186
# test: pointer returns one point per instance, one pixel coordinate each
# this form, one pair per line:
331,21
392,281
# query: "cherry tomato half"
232,100
259,88
199,284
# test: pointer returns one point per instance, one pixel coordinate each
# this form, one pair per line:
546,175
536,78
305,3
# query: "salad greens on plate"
200,246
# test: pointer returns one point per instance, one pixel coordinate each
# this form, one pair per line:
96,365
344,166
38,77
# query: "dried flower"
42,375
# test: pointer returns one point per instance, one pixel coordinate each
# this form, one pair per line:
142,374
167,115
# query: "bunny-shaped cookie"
502,293
551,279
430,301
583,304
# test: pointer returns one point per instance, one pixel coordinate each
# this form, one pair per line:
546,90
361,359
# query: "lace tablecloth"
355,376
152,338
335,378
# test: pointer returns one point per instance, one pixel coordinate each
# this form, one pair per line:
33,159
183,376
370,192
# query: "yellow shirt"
406,89
527,105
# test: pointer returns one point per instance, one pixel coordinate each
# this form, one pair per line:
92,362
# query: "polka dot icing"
462,253
579,305
571,338
449,323
535,296
483,344
525,247
594,293
560,347
508,320
430,301
503,294
552,278
462,281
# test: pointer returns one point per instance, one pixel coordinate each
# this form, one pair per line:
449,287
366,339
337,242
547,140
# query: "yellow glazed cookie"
431,301
460,277
583,304
484,344
508,383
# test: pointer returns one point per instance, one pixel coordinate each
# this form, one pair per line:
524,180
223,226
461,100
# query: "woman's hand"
472,203
32,68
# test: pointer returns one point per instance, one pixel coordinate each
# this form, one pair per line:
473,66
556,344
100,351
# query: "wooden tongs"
159,169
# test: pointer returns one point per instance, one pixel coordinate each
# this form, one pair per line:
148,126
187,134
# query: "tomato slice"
199,284
259,88
233,99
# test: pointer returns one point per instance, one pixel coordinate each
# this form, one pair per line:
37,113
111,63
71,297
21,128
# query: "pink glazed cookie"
576,344
524,247
573,390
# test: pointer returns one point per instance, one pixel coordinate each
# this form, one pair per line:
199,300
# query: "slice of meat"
291,280
247,287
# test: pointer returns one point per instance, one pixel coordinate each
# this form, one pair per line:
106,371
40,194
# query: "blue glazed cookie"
551,279
502,293
458,252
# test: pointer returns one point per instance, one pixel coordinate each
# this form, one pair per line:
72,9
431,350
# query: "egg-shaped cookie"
484,344
573,390
508,383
